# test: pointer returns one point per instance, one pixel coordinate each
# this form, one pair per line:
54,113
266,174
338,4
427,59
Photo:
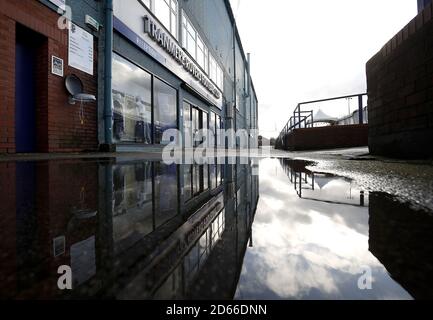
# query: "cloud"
306,50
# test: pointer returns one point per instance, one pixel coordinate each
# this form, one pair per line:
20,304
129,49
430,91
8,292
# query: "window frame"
153,77
173,8
188,29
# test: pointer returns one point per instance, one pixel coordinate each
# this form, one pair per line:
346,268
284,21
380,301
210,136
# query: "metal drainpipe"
235,104
108,111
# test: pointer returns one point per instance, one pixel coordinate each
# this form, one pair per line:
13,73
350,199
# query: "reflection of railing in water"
304,179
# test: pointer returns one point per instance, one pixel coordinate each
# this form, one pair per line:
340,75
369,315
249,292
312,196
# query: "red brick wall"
7,84
400,92
58,125
328,137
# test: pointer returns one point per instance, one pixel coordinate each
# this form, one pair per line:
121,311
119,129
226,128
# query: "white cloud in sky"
311,49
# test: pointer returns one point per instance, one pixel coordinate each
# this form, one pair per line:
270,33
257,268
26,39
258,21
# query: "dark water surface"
270,229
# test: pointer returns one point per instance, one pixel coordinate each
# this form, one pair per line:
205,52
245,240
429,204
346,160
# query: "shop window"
205,126
196,126
165,109
212,127
218,128
132,104
188,136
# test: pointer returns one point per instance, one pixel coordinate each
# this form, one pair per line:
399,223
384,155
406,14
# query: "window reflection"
200,252
132,204
201,178
144,198
165,109
132,104
165,193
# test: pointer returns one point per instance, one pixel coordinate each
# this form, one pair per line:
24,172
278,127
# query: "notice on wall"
57,66
60,3
80,49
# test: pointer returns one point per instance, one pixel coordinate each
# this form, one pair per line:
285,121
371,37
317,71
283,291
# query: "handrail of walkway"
305,118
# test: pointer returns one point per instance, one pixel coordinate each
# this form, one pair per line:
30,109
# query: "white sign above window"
81,49
60,3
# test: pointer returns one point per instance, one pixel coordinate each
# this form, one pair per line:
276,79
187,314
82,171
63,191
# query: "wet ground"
274,228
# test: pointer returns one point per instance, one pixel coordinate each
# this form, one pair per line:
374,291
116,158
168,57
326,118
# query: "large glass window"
165,109
194,44
215,72
196,126
212,127
188,136
218,128
132,103
167,13
205,125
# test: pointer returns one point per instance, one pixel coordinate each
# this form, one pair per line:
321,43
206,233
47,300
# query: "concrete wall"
400,92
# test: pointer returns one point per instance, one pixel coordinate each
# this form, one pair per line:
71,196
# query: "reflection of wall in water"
401,238
212,263
106,218
49,216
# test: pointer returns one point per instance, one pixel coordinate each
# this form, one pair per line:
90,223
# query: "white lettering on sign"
158,35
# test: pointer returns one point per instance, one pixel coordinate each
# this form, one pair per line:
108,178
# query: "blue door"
25,102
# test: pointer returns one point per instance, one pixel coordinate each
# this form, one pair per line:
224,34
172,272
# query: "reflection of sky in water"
305,249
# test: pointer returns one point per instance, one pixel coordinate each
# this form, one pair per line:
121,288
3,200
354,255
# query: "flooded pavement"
146,230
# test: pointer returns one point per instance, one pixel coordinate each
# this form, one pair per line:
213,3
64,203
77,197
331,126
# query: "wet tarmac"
273,228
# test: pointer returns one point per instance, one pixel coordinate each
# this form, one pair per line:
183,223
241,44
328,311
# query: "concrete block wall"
400,92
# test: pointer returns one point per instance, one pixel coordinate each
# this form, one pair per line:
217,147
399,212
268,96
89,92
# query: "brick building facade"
211,84
29,30
400,92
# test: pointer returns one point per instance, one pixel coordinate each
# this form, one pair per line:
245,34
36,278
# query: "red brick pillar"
7,85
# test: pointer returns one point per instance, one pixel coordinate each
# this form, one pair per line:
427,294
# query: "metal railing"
302,119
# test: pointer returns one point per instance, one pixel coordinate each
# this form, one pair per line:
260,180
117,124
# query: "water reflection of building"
135,229
310,185
401,238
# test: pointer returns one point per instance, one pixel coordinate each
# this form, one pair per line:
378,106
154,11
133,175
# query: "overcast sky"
305,50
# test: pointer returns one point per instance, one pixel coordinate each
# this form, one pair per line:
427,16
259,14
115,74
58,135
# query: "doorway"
28,54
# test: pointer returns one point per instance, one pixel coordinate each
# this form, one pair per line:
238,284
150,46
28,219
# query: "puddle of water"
145,230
